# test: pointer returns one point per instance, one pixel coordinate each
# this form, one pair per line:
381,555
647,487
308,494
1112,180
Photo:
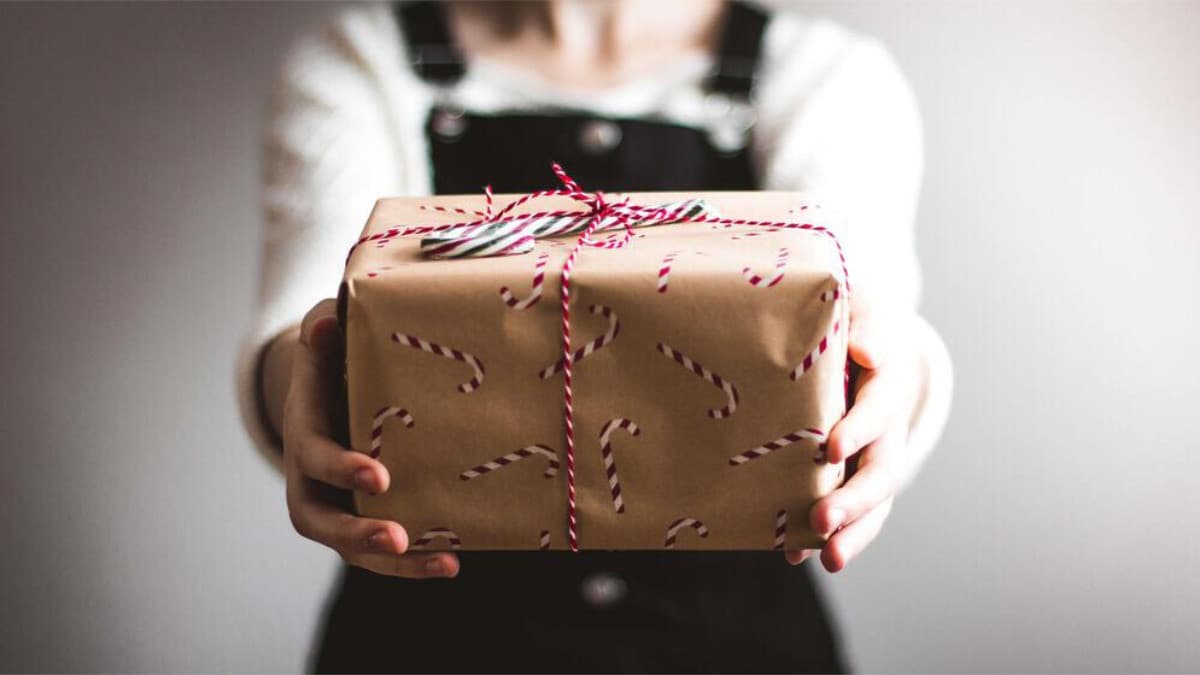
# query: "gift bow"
494,234
517,234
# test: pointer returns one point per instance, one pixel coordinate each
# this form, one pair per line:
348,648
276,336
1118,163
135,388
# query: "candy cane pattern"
512,457
811,358
774,278
664,268
544,541
606,453
664,271
780,528
437,533
382,416
434,348
781,442
535,294
614,328
674,528
731,392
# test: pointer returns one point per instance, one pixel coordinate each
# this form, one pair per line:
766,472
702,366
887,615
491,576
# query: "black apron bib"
590,611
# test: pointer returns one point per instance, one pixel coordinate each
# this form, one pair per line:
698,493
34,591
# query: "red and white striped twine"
747,235
674,528
783,441
434,348
610,464
535,294
731,392
775,277
437,533
544,541
382,416
614,329
568,363
512,457
597,209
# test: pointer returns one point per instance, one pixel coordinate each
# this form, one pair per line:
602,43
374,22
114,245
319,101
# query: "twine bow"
496,233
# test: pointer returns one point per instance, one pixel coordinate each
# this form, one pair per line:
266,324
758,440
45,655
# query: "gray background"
1054,530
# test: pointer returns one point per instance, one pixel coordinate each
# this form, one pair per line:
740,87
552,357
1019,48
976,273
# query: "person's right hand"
319,470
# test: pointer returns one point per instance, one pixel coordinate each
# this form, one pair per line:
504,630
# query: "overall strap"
739,51
431,51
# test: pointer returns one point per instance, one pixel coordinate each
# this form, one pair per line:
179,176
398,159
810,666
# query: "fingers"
314,400
317,465
322,314
796,557
310,423
411,566
321,353
881,401
851,540
316,516
377,545
871,487
320,458
874,483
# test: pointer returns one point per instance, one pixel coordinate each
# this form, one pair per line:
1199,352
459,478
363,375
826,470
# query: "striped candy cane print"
434,348
783,441
535,294
674,528
664,268
811,358
437,533
614,329
774,278
606,454
382,416
513,457
826,340
731,392
664,271
780,529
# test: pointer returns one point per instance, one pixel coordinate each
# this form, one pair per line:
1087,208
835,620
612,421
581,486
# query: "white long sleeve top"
345,126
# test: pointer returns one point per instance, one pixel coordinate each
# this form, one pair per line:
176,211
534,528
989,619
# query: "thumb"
321,334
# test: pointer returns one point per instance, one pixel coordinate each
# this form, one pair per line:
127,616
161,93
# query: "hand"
889,385
319,470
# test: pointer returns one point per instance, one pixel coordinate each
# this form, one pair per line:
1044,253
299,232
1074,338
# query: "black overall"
590,611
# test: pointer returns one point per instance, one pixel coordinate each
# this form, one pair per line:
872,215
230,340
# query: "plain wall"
1055,529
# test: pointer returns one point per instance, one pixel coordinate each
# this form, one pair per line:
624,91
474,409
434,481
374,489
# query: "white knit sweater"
346,126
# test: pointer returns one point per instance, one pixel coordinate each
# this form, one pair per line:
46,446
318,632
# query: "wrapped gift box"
711,363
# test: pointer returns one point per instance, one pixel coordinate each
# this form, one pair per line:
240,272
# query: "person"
414,99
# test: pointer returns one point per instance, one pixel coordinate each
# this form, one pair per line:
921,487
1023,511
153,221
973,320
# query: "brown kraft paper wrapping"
678,466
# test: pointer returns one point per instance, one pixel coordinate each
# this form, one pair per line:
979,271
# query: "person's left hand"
889,385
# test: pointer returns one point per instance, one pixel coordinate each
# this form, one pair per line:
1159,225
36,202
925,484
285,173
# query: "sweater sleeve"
330,147
837,118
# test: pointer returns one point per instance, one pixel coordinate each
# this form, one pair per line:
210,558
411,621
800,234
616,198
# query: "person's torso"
590,611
